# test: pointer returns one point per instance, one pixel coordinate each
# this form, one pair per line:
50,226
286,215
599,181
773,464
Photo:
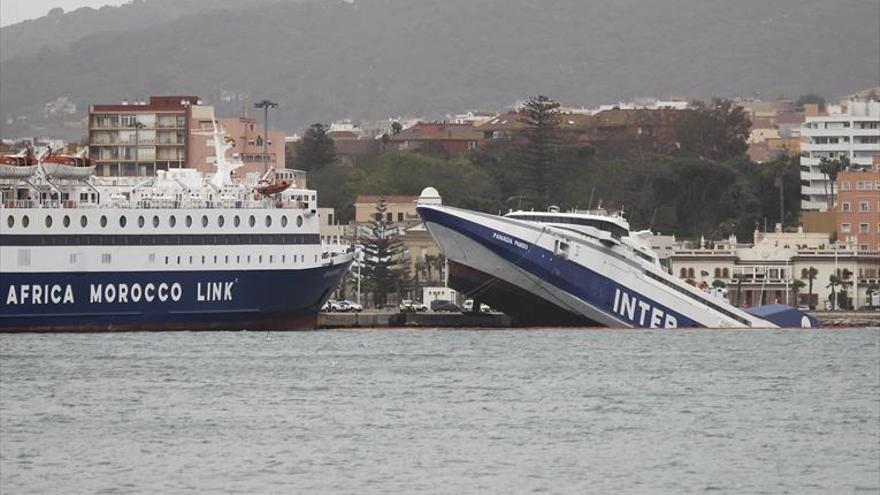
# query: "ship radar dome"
430,196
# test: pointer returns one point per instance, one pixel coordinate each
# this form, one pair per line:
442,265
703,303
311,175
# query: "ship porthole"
221,220
103,220
284,221
252,221
66,221
189,221
48,220
141,221
299,221
204,220
122,221
236,221
10,221
25,221
155,220
83,221
268,221
172,221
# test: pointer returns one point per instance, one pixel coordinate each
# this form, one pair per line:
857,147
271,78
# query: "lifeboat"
67,166
18,166
273,188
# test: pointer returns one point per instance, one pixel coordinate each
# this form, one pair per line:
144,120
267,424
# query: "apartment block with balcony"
247,137
850,130
137,139
857,210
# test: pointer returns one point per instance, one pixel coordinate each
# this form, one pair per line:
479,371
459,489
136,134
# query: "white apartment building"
851,129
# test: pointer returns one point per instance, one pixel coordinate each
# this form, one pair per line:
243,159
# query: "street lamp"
266,105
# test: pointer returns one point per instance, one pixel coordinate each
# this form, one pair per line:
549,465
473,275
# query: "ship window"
299,220
166,260
204,220
65,221
25,221
103,220
155,220
215,259
190,260
252,221
178,260
203,260
48,220
221,220
141,221
10,221
226,260
152,257
172,221
105,258
238,259
72,258
260,259
236,221
188,221
271,259
268,221
122,221
249,258
283,258
284,221
83,221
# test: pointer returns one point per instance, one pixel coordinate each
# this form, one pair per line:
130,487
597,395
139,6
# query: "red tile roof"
389,199
438,131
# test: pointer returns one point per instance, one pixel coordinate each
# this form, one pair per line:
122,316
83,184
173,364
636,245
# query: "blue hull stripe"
616,300
158,300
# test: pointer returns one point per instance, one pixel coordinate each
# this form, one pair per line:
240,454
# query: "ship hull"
171,300
518,268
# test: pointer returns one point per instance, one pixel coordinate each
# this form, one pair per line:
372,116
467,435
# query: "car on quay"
443,306
468,307
347,306
412,306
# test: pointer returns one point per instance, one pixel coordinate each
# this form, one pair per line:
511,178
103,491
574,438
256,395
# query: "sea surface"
440,411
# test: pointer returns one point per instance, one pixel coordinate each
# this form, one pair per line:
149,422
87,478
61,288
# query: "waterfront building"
247,138
765,272
851,130
139,138
438,137
399,209
858,207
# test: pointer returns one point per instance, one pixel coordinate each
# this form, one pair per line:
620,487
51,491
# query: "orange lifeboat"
273,188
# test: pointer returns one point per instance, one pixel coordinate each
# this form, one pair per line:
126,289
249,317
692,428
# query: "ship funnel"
430,196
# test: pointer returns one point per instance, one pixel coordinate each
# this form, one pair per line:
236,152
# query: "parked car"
346,306
441,306
330,306
468,307
408,305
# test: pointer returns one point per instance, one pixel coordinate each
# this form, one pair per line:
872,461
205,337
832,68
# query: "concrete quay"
847,319
401,320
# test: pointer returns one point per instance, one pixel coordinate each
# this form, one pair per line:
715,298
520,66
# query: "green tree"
539,153
316,149
717,131
809,98
396,127
384,270
796,286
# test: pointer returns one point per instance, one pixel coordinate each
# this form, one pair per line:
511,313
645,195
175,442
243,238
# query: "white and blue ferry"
179,251
572,268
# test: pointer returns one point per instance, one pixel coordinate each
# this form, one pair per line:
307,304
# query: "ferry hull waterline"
556,272
154,301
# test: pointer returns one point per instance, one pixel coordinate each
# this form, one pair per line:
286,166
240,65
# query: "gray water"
588,411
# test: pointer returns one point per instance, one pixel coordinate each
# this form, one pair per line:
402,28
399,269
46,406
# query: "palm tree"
812,273
796,286
833,282
845,281
831,168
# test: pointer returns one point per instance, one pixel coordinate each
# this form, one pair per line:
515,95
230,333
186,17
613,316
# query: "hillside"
375,58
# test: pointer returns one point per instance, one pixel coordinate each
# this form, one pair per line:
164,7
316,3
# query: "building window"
845,228
400,217
863,247
845,207
863,207
717,272
683,273
690,273
725,273
864,228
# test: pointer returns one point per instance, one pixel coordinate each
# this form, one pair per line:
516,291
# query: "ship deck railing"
157,205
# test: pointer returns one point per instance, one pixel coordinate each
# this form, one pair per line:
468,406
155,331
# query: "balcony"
809,147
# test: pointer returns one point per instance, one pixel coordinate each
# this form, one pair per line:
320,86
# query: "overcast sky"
13,11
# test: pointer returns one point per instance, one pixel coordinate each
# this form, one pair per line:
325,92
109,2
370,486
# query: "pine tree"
383,270
542,119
